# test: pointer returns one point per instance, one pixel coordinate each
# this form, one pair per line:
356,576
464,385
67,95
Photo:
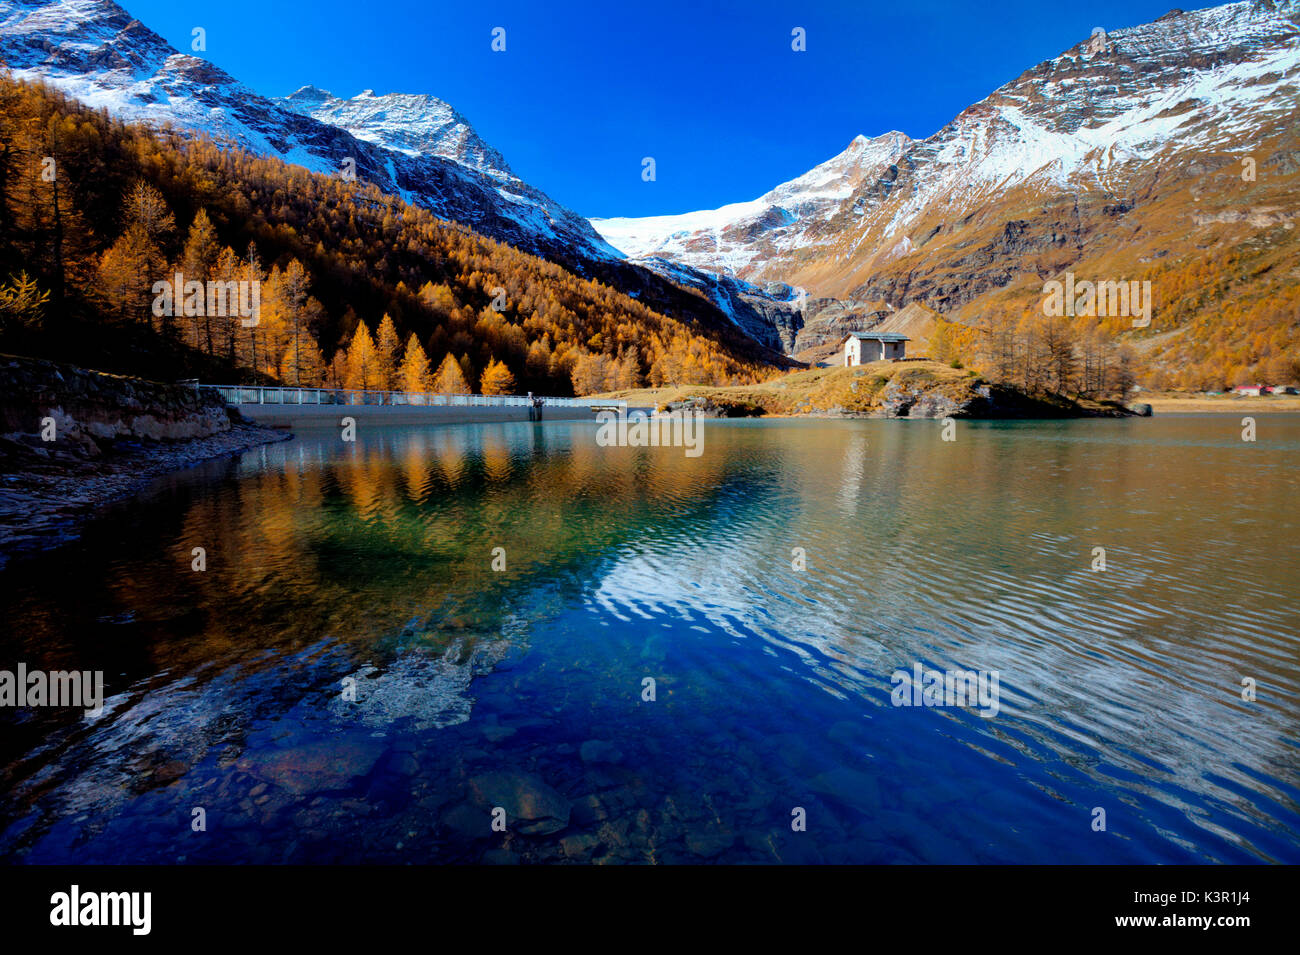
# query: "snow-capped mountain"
411,123
1122,151
413,146
1114,138
728,239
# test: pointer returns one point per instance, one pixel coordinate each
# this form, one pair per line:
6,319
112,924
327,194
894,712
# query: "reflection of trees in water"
316,542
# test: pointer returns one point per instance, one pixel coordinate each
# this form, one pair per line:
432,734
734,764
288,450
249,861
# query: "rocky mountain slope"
1123,158
739,239
416,147
412,146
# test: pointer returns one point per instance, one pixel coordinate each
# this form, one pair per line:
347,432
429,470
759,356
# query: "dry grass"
809,390
1173,403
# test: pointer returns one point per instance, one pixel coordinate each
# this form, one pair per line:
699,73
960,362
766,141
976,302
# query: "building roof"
876,337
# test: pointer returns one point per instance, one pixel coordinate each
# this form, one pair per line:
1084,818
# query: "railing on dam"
278,395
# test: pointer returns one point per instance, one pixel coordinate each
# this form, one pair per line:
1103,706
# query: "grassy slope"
856,390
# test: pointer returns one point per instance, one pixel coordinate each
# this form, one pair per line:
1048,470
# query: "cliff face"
974,398
827,320
929,390
87,412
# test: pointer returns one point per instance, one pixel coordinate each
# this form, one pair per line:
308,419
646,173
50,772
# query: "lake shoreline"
1223,404
74,440
48,503
912,388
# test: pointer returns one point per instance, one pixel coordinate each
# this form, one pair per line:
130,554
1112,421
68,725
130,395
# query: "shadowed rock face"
770,314
828,320
92,410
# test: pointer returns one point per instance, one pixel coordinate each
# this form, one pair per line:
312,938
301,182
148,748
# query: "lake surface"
525,688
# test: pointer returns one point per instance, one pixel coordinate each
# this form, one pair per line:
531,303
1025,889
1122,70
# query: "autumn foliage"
358,289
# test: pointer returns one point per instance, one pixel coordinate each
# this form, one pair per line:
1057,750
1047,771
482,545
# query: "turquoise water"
525,688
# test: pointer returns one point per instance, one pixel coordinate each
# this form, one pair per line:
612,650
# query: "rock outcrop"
827,320
56,409
73,440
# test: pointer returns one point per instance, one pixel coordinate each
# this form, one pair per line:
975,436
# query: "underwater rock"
315,767
532,807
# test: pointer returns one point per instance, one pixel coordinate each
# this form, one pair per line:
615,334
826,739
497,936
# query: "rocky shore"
903,389
920,396
74,440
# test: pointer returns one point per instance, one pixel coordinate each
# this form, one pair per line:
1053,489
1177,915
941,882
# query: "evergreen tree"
303,365
124,286
497,379
296,311
537,364
467,370
197,260
363,365
627,373
46,224
254,335
226,327
336,376
450,378
942,347
387,349
22,303
591,374
415,375
149,224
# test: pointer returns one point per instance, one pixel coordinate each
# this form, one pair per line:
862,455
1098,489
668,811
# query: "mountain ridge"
97,52
1113,156
1121,151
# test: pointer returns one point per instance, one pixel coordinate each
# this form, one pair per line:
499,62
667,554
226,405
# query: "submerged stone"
314,767
532,807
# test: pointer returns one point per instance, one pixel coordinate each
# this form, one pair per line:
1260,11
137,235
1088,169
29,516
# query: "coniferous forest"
358,289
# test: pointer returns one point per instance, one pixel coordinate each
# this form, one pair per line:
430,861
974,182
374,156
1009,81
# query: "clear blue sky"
712,90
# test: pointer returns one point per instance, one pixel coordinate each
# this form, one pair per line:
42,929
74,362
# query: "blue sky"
711,90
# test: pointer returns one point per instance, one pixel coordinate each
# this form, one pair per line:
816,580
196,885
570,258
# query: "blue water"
1120,689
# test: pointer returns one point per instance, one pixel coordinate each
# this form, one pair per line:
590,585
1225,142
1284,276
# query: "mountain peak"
1093,119
411,145
414,123
308,94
